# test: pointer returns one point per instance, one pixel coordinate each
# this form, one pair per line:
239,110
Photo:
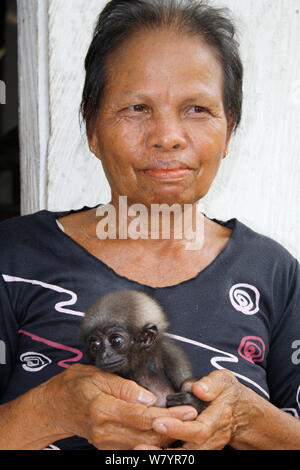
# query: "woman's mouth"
174,173
168,170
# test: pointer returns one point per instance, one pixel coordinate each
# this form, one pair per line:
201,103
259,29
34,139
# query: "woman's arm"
237,417
108,411
25,422
259,424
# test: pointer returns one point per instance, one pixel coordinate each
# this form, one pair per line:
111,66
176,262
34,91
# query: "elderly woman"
161,100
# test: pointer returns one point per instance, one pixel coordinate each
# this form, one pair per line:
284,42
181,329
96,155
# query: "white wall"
259,182
75,176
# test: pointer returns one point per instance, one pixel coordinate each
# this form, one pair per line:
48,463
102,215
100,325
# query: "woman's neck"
176,224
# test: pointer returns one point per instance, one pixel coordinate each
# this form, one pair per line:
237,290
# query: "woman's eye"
195,111
138,108
198,109
116,341
135,111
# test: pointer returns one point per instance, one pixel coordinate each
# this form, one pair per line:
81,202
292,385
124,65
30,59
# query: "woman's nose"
167,134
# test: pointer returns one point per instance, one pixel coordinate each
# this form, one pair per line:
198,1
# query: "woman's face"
161,131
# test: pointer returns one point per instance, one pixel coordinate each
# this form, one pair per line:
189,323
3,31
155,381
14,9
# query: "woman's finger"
212,427
215,384
124,389
148,447
121,390
106,408
178,430
111,436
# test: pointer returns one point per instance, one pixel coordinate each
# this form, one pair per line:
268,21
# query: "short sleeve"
8,336
284,354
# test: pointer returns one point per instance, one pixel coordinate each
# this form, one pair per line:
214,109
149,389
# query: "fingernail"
142,447
204,387
160,427
189,416
146,398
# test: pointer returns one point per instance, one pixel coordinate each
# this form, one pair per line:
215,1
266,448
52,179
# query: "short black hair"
122,18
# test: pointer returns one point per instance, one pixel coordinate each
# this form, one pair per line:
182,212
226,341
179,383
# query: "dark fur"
148,356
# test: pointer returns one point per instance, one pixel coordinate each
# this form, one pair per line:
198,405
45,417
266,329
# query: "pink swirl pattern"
252,348
77,354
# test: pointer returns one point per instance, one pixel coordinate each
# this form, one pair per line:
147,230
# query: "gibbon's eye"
116,341
95,344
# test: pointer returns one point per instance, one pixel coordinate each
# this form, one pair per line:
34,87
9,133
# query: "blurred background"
9,142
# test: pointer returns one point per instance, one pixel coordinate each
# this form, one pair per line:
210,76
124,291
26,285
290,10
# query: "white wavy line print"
59,306
225,357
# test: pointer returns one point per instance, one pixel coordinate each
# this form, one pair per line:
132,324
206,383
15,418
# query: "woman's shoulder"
23,231
262,251
255,238
13,227
25,225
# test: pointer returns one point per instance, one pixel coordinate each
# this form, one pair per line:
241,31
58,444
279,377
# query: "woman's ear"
93,145
92,139
230,126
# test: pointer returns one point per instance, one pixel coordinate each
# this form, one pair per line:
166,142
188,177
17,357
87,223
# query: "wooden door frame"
34,120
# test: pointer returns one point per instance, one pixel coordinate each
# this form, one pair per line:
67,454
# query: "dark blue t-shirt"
242,312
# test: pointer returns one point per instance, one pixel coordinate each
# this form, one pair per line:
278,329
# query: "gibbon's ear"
147,336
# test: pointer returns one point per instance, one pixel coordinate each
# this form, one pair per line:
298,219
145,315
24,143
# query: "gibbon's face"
110,348
115,348
162,131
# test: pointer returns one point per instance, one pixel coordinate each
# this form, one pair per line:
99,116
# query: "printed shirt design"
230,316
251,348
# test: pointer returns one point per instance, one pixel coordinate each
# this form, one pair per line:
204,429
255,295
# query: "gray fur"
130,307
152,360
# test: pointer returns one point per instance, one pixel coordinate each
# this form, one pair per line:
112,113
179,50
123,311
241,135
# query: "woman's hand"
236,416
107,410
214,427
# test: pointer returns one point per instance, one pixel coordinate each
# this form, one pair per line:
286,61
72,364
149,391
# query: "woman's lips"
173,173
168,169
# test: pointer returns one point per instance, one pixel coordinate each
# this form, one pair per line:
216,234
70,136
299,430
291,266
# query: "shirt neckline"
231,223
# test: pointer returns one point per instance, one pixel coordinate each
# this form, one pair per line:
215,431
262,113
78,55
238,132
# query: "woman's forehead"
152,62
